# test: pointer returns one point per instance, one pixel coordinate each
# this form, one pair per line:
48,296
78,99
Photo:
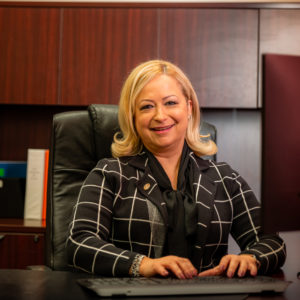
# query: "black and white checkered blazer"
120,213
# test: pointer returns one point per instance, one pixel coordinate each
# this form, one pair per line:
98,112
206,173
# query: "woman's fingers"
253,269
252,265
243,267
185,266
176,269
218,270
181,267
161,270
224,262
233,264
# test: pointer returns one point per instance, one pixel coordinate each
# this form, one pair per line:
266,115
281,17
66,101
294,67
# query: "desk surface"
30,284
49,285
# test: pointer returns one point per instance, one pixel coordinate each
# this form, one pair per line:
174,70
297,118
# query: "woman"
158,208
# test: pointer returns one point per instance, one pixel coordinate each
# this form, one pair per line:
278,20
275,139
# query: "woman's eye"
146,106
171,102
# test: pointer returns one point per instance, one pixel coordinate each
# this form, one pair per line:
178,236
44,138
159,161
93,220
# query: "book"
36,184
45,185
13,169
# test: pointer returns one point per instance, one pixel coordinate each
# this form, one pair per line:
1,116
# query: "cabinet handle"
2,237
36,238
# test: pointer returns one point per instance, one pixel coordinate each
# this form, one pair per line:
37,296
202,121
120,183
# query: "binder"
36,184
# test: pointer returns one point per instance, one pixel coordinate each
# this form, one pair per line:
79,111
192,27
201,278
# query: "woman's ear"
190,108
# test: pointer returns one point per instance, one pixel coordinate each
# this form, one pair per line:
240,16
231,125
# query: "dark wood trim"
22,225
238,5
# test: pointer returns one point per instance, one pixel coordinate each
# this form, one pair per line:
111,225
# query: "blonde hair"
127,142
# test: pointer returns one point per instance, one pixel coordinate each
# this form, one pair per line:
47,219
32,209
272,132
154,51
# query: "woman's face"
161,115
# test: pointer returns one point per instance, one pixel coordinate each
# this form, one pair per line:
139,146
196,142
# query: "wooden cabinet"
22,243
29,55
82,55
99,48
64,56
217,48
72,56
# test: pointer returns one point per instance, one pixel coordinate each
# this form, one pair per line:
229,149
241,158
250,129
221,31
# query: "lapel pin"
146,186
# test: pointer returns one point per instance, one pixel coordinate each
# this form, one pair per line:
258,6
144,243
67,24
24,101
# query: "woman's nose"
159,114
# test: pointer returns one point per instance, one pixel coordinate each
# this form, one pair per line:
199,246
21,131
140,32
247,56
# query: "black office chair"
79,140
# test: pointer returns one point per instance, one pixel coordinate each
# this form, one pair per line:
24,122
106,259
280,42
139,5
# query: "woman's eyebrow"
166,97
146,100
151,100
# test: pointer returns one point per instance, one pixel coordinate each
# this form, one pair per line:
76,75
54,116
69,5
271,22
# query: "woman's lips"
162,128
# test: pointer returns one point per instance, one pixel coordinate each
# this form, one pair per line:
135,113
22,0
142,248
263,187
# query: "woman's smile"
162,129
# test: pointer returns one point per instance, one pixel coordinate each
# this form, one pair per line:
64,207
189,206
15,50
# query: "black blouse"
180,203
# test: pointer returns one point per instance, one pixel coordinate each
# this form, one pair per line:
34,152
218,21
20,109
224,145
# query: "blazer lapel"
147,185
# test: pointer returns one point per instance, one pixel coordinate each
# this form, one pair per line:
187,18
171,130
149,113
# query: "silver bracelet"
135,267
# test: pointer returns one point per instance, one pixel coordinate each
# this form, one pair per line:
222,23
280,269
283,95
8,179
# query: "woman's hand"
231,264
182,268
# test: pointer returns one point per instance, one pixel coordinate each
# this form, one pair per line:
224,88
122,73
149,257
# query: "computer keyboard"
107,286
125,281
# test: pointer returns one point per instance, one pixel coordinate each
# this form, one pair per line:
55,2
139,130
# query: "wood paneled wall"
63,56
217,48
79,56
29,55
99,47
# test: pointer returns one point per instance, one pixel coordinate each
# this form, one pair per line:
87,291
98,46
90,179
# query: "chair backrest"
79,140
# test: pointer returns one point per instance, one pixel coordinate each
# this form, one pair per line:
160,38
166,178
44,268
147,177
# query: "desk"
22,243
49,285
290,268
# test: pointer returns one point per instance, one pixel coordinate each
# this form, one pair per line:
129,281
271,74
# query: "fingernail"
229,274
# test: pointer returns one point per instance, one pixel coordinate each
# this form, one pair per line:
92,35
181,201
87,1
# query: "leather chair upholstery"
79,140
